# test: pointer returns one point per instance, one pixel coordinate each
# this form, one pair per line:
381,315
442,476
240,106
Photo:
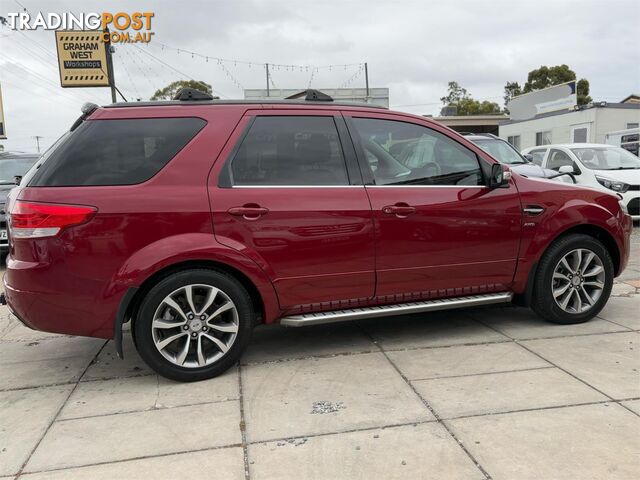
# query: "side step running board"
398,309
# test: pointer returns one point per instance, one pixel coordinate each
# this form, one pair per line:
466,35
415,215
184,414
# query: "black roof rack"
311,95
166,103
191,94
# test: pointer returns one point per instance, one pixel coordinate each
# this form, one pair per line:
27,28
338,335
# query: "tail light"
37,220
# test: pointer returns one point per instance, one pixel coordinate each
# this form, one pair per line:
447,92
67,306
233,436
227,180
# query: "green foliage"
511,89
545,77
455,93
168,92
458,97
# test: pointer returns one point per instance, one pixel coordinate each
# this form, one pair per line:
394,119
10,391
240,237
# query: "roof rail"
191,94
311,95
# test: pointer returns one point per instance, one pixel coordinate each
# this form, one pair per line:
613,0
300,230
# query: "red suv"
196,219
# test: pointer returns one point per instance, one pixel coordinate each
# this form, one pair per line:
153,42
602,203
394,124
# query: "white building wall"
601,120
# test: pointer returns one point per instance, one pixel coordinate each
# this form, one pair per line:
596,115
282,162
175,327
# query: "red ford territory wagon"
196,219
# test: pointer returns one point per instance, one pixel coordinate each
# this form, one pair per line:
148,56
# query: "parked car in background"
197,219
505,153
600,166
12,165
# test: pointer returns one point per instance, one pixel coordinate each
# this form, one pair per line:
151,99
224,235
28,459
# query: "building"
633,98
376,96
588,123
473,123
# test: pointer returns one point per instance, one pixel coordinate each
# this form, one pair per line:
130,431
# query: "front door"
290,196
440,230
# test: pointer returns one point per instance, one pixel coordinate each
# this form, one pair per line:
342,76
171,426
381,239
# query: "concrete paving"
489,393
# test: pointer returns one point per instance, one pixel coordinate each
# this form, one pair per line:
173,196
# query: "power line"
133,85
174,69
144,74
277,66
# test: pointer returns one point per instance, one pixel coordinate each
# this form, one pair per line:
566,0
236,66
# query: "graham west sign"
82,58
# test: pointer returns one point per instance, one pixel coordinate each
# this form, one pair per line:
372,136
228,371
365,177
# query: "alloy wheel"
578,281
195,325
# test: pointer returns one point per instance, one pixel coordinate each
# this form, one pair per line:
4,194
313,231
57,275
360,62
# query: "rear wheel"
194,324
573,281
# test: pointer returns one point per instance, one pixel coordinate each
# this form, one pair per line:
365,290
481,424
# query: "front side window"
290,150
613,158
400,153
114,152
543,138
557,159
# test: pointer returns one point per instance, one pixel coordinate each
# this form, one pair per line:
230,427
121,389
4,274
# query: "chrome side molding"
398,309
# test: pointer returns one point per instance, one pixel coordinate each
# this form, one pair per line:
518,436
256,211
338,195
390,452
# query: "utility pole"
266,67
37,137
112,80
366,78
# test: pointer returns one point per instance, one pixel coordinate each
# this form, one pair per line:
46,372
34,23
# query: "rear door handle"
399,210
249,212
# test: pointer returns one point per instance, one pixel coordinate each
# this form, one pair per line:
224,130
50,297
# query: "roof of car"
17,155
572,145
306,103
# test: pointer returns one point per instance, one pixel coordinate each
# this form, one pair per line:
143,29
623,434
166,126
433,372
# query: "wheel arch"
132,299
599,234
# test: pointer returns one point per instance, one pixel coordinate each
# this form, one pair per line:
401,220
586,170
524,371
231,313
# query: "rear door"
441,231
289,194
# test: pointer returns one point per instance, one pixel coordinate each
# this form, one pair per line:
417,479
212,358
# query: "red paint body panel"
316,249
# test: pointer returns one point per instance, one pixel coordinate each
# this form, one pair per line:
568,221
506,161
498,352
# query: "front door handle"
400,210
248,212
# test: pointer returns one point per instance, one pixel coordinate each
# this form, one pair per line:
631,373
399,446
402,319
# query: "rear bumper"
50,306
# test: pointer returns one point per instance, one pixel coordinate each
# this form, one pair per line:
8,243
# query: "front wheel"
573,281
194,324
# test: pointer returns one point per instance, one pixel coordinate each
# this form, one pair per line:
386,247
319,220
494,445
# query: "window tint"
290,151
538,156
557,159
115,152
404,153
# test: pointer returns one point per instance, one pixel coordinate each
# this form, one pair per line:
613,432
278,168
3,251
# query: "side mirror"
499,176
528,157
567,169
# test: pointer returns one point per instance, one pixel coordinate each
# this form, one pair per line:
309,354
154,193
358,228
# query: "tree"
511,89
455,94
459,98
168,92
545,77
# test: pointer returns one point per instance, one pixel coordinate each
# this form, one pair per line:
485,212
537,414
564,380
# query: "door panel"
458,238
439,230
315,241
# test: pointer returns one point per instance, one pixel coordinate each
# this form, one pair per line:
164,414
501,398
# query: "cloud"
412,47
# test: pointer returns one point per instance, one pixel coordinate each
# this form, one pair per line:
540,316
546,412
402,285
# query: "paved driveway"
471,394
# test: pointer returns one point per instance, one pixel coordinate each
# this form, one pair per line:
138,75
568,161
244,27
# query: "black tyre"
194,324
573,280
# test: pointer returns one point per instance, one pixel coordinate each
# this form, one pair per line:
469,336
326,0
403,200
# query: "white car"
605,167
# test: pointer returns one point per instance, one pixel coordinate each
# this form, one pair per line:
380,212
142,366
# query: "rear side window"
115,152
281,150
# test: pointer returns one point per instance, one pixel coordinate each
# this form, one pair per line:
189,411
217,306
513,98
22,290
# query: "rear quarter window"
115,152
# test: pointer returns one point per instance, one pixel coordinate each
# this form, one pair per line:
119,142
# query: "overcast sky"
412,47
